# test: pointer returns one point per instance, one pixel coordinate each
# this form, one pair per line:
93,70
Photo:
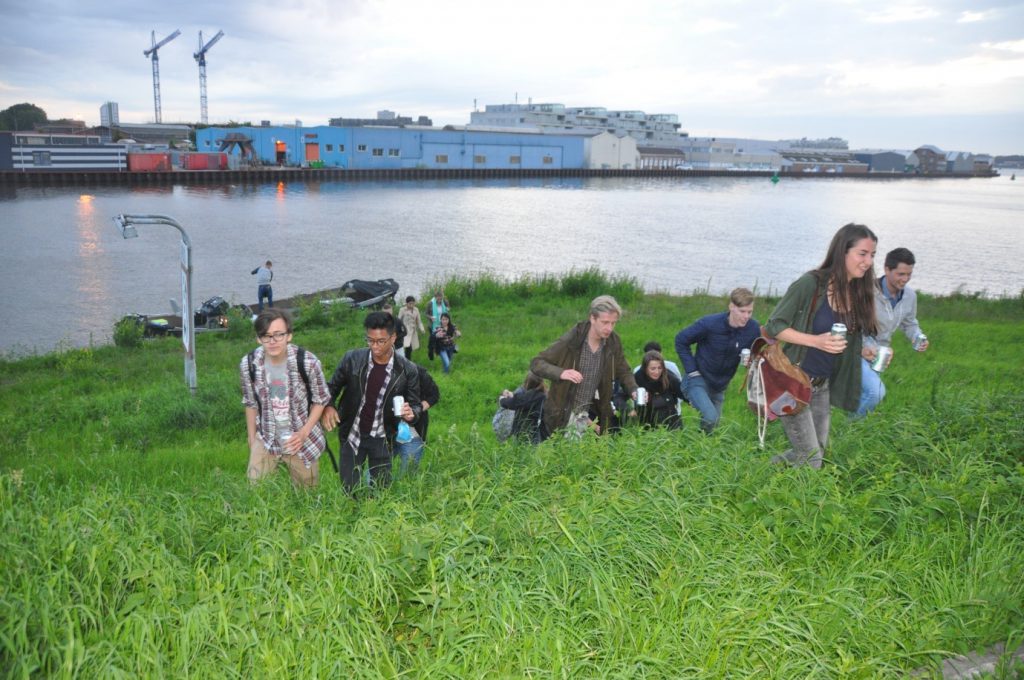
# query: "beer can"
919,341
881,361
839,329
641,396
745,356
397,403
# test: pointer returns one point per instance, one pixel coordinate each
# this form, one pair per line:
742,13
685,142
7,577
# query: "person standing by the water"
264,275
895,308
282,409
841,290
582,365
719,338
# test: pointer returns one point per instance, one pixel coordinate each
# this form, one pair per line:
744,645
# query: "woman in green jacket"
839,291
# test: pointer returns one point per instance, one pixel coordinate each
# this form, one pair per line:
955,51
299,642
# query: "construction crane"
156,67
200,57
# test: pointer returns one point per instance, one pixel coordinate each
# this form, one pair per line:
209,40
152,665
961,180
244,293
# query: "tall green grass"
131,544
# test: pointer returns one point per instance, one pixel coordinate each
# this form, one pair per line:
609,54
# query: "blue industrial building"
360,148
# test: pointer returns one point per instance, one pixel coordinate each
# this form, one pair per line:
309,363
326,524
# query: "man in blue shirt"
895,309
719,338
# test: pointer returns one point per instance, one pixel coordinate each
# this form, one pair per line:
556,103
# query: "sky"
881,74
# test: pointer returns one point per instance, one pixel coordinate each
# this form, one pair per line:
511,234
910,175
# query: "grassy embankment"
131,544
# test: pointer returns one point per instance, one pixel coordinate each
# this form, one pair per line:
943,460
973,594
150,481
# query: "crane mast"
153,54
200,57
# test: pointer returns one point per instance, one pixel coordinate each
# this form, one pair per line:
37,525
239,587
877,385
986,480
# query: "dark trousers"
265,291
408,352
373,450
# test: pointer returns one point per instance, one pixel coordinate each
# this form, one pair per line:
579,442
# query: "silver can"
397,403
919,341
641,396
745,356
882,357
839,329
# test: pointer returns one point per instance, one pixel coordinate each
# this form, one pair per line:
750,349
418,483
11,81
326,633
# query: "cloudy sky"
884,73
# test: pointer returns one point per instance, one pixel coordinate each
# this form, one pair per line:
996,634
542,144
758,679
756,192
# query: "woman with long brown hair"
663,392
841,290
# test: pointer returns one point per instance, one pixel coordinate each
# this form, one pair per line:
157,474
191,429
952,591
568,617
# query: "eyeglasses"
273,337
377,342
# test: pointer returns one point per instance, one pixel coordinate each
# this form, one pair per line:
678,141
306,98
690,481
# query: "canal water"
67,275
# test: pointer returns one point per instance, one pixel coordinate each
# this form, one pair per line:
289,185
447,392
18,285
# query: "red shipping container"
204,161
149,162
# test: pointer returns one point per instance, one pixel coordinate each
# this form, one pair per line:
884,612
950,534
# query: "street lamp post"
126,223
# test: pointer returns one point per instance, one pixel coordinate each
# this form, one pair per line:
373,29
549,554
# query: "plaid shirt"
257,396
590,367
377,429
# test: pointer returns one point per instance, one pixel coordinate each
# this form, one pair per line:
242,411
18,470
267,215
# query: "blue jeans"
872,390
705,400
265,291
446,359
411,453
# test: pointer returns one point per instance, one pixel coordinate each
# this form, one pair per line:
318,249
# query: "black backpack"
300,359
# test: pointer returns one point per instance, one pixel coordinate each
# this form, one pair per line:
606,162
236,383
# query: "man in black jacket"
368,381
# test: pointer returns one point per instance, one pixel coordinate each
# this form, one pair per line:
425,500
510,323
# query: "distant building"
959,162
657,130
710,153
929,160
36,151
883,161
983,164
385,147
164,134
389,118
108,115
829,143
818,161
62,127
660,158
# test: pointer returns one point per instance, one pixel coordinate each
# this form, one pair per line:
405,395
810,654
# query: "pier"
274,174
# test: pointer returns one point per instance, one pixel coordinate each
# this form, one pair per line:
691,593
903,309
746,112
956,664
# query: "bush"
239,322
129,331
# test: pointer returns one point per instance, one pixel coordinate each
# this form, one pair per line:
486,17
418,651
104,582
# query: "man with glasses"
283,403
367,382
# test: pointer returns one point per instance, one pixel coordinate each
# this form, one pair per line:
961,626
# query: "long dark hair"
853,300
655,355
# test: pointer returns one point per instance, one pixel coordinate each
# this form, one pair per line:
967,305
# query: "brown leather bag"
773,383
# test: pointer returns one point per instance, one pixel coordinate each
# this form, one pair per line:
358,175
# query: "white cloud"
1008,46
969,17
901,13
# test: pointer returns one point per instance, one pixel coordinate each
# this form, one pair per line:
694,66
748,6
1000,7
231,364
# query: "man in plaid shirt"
282,419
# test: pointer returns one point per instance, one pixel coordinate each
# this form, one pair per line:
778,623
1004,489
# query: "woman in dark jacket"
528,403
663,391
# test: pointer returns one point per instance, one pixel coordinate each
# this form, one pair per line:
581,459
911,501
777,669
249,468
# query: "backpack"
501,423
774,386
300,359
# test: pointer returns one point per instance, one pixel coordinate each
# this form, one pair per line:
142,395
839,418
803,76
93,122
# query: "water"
68,275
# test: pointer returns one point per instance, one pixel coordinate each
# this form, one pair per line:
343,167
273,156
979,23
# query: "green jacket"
565,353
794,311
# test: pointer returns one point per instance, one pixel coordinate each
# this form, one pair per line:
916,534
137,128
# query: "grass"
131,544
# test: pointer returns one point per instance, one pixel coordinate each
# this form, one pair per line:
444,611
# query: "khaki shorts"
262,464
